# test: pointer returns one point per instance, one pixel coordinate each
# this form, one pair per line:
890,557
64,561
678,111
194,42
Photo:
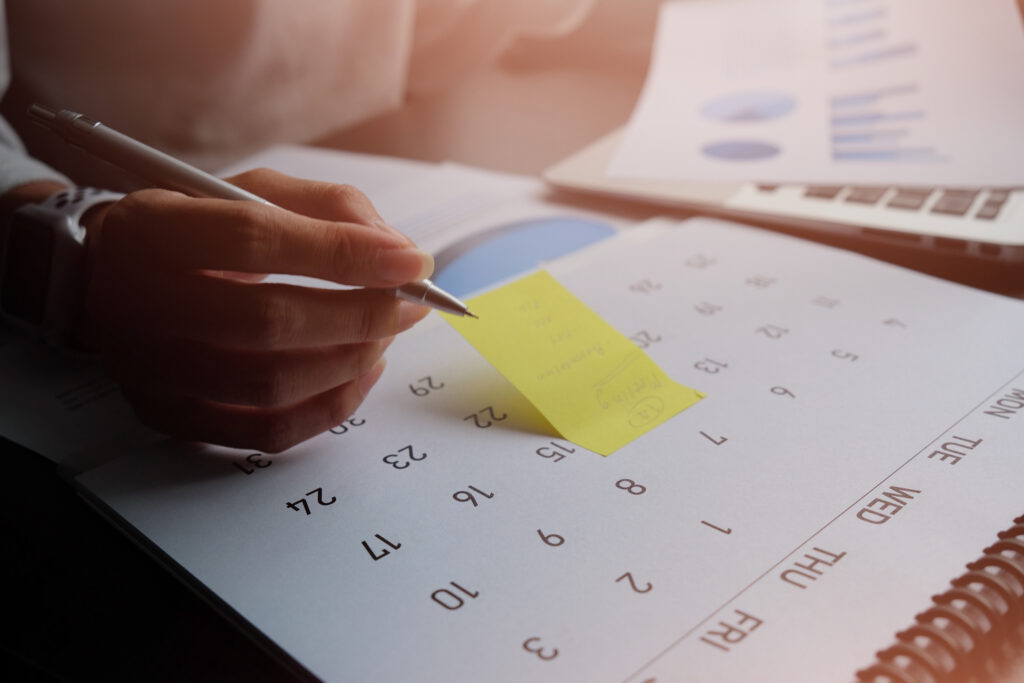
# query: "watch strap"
75,201
61,302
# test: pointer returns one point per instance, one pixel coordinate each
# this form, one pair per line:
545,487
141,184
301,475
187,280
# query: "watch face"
26,271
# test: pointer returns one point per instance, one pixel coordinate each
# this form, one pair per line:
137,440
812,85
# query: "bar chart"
859,32
832,91
878,125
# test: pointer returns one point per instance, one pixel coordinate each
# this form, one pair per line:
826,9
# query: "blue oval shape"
748,107
485,258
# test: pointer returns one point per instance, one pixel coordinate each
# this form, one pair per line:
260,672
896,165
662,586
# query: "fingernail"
409,314
404,265
367,381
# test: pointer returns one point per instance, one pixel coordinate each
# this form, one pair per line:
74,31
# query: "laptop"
980,222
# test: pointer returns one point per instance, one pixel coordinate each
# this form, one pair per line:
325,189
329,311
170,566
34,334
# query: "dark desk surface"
83,602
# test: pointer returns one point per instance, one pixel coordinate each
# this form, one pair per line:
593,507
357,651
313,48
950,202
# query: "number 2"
632,583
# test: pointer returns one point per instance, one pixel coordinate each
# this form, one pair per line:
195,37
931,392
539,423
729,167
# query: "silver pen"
165,171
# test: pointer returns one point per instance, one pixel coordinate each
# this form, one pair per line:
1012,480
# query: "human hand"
204,350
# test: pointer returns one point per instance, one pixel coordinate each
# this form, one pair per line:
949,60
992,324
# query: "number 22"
488,421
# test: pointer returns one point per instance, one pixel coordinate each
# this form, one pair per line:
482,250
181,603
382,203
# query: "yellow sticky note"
591,383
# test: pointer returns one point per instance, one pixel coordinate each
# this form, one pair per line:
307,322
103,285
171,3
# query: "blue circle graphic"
740,150
486,258
748,107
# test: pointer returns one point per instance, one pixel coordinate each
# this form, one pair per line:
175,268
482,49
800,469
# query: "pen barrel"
416,292
426,293
163,170
150,164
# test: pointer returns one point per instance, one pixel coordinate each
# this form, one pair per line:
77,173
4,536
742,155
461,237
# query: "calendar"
861,430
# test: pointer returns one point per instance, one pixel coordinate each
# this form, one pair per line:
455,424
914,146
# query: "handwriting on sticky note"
590,382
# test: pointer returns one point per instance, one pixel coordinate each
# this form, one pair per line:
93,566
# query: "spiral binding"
969,629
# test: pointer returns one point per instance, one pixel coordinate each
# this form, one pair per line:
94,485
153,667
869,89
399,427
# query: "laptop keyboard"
945,201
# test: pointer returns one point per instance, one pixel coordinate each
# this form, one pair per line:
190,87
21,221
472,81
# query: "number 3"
540,651
395,463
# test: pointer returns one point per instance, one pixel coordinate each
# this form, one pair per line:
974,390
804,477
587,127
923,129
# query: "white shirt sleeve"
213,81
453,37
16,167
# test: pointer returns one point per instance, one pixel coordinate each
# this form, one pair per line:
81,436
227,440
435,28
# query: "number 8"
631,486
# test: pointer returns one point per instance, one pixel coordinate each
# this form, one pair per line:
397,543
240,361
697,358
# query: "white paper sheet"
409,544
63,408
371,173
918,92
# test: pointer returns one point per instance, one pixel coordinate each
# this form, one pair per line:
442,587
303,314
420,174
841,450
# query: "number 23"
392,459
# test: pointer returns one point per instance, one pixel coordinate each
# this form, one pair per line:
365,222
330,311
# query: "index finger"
314,198
219,234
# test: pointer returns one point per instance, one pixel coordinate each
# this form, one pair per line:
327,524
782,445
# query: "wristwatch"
41,262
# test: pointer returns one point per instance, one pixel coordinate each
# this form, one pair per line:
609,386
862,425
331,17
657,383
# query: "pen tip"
472,315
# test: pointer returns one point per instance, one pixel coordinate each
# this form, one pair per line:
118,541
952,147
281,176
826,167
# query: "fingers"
236,314
240,377
179,232
269,430
313,198
206,351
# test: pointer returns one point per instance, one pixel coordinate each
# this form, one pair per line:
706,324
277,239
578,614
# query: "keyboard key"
866,195
989,211
910,198
955,202
823,191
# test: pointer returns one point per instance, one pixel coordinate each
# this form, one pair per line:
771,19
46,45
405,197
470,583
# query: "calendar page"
859,442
